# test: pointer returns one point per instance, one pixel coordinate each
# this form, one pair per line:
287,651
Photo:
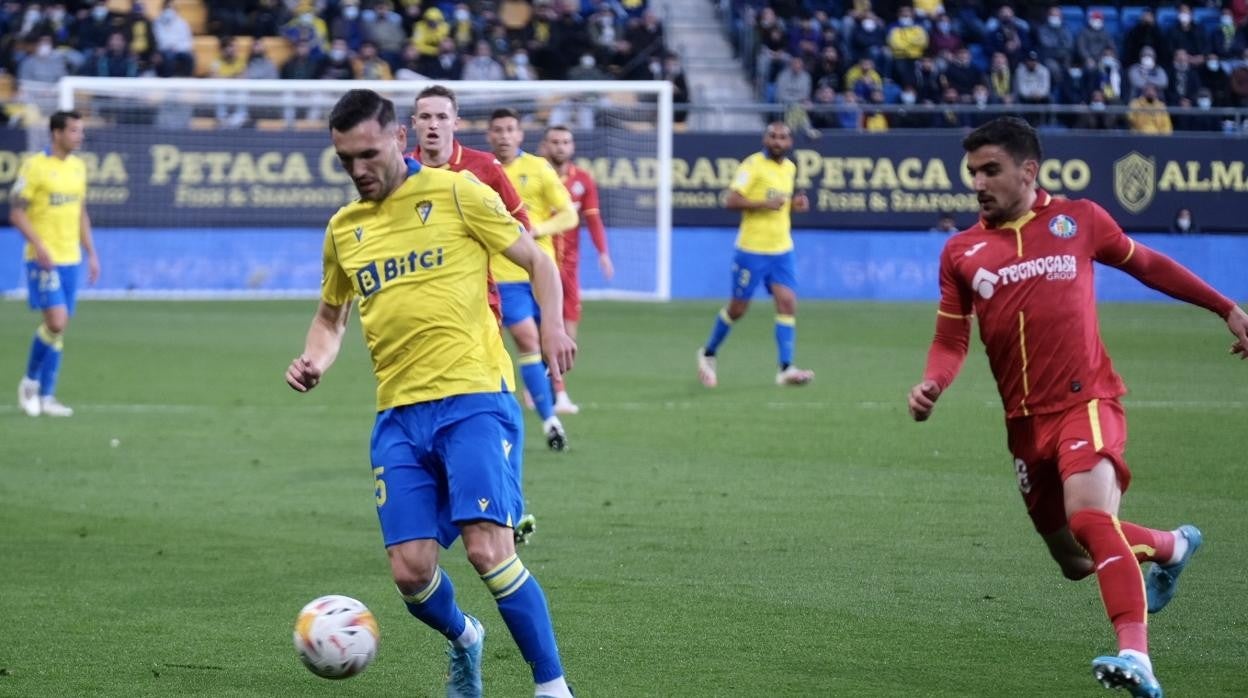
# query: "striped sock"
1117,574
435,606
42,343
522,604
50,367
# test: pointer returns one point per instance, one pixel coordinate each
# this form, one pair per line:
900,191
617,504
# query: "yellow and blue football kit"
54,191
417,260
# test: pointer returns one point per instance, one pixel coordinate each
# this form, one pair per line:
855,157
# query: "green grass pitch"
746,541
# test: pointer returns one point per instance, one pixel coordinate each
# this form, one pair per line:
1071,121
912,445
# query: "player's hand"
923,400
801,202
302,375
604,263
93,268
775,203
1237,323
558,350
43,258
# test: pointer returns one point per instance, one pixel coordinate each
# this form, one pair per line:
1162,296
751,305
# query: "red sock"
1117,574
1148,544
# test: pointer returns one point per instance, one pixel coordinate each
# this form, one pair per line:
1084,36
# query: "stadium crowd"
337,39
833,64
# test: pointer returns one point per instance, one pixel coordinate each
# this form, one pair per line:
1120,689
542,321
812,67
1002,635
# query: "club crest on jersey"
1063,226
423,209
359,232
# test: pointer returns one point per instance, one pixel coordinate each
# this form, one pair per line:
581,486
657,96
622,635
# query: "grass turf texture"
750,540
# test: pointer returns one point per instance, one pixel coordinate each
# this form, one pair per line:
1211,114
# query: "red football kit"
568,244
1030,285
489,170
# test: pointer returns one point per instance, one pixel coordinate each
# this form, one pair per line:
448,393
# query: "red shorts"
571,292
1048,448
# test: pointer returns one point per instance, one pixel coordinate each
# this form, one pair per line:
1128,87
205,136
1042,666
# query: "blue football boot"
1125,672
1161,581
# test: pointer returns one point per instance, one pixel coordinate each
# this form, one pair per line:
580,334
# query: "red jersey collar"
457,154
1043,199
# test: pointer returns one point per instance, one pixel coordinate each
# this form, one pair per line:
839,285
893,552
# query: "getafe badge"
423,209
1063,226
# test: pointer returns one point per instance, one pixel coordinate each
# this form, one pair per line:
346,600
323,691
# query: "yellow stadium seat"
7,87
195,14
207,50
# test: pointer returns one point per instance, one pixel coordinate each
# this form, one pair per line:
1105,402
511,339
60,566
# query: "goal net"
222,188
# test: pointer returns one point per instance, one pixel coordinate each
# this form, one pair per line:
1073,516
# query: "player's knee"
490,548
56,324
411,573
736,310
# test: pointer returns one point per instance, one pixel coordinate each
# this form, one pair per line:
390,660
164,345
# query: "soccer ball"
336,636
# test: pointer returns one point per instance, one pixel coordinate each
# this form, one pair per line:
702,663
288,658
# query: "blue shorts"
751,268
518,302
48,289
447,462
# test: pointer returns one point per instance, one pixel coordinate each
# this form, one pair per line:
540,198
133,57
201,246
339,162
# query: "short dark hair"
438,91
504,113
1013,134
558,127
357,106
61,119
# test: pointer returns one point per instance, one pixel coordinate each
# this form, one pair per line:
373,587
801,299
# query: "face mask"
868,24
306,18
56,15
1147,62
1204,102
1097,106
338,54
907,98
44,50
1096,24
1212,65
1108,63
1076,73
906,22
587,61
1184,223
1228,21
394,18
99,12
350,12
462,15
369,16
981,99
945,27
1185,18
1055,22
521,59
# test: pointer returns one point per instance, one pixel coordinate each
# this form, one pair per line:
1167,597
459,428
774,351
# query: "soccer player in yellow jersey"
762,190
448,439
550,211
48,206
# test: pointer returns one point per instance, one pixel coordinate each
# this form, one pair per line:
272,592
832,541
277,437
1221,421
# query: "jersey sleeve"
27,182
953,327
744,177
486,216
592,215
1109,244
336,287
554,193
492,174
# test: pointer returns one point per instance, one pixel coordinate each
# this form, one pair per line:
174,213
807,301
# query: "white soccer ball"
336,636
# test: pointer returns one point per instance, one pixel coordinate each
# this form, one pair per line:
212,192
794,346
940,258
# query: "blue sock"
786,336
723,325
50,368
39,347
435,606
523,608
533,369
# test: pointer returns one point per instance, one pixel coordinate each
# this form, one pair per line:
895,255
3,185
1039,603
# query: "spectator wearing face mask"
446,65
482,65
174,40
1188,36
1146,72
1033,85
1055,43
944,38
1184,81
463,28
518,67
908,42
1204,120
1097,116
1148,114
94,30
1183,223
1215,79
911,115
1094,39
1145,34
868,39
44,65
384,27
1226,40
306,26
348,25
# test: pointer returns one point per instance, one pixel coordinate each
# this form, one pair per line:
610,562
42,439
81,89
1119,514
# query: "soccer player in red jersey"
435,119
1025,271
558,147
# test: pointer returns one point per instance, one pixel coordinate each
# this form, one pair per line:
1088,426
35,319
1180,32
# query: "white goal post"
218,188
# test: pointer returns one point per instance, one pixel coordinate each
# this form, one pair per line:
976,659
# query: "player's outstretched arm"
557,347
321,347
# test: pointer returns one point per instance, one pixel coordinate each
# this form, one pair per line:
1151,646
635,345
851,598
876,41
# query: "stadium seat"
1130,16
515,14
278,49
207,50
1206,17
1167,17
195,14
121,7
1073,17
8,87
